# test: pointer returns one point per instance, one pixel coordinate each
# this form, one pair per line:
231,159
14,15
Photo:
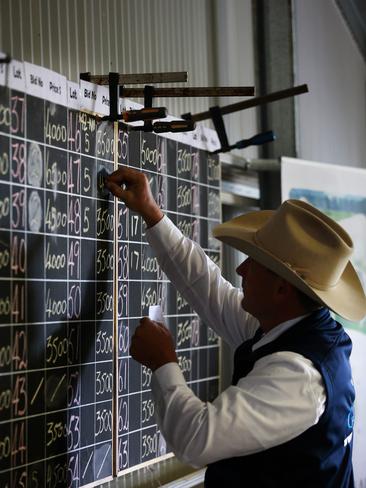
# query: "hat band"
300,272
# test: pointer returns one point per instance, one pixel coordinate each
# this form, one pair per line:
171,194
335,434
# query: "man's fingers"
125,195
160,324
129,185
143,326
124,175
145,321
116,189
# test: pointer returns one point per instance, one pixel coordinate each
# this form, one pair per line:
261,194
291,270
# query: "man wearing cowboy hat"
287,418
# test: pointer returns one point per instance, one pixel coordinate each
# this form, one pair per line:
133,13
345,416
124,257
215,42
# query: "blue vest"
320,457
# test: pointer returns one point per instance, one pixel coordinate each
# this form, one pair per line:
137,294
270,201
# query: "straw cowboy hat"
306,248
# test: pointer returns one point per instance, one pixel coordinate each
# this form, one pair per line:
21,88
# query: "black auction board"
76,276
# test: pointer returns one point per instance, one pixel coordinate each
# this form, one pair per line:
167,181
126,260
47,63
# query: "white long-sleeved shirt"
279,399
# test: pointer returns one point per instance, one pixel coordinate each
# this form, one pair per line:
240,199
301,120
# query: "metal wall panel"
331,119
211,39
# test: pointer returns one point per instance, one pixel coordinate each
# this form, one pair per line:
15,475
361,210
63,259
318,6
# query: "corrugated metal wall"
72,36
211,39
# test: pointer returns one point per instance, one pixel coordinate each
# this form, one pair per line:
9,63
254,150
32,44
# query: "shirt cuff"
163,233
169,375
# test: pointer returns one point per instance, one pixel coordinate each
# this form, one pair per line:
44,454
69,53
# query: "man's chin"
247,308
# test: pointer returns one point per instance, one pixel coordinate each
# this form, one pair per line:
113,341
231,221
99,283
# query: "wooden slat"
224,91
272,97
141,78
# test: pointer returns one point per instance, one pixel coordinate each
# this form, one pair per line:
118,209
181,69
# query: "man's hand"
152,344
132,186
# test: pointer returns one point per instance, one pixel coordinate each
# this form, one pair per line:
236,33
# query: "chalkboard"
76,276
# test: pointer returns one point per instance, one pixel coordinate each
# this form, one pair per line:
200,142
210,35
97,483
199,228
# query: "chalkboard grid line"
110,161
65,236
86,321
100,200
64,149
101,361
122,241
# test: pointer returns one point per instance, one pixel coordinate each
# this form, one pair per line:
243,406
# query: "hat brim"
346,298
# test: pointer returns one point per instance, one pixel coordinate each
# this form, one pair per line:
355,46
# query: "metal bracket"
113,96
219,125
218,121
148,102
216,113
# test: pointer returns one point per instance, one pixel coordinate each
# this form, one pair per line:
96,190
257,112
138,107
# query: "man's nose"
242,269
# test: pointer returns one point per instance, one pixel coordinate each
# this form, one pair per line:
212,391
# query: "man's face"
259,287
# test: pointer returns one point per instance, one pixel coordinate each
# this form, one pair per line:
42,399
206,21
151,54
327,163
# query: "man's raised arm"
190,270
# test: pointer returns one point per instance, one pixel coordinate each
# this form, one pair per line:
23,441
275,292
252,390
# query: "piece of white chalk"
155,313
